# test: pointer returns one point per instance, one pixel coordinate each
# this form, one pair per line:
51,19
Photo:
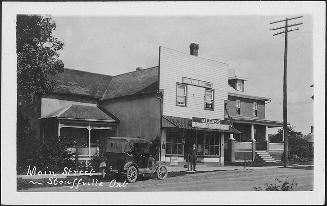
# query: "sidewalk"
202,168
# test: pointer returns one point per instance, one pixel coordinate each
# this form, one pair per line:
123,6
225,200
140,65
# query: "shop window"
208,145
238,107
213,145
181,95
174,144
209,99
255,109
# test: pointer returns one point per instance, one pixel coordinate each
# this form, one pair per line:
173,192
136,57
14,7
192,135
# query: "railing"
276,146
83,151
243,146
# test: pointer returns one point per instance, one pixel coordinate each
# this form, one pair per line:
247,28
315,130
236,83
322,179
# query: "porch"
253,142
83,128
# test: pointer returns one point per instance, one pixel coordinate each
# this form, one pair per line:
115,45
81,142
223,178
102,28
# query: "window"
209,145
238,107
240,85
209,99
181,95
174,144
255,109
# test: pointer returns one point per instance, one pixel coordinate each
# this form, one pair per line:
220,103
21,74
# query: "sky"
117,44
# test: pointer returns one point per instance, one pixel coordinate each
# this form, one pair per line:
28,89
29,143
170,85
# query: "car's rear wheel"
162,172
131,174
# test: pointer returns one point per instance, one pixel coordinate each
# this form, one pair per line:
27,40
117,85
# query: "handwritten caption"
57,179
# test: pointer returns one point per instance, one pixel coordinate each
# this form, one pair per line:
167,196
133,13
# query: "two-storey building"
246,111
181,102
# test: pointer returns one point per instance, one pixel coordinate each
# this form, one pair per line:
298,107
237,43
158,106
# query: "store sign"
209,123
196,82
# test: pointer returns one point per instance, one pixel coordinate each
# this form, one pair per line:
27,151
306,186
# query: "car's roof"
131,139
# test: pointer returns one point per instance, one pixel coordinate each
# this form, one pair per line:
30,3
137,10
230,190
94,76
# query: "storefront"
179,134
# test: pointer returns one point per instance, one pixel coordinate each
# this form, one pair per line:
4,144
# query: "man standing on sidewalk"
193,158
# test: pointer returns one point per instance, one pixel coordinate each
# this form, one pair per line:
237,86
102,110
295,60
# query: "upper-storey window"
255,109
181,95
238,107
240,85
209,99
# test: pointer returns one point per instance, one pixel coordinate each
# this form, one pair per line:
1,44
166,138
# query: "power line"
285,30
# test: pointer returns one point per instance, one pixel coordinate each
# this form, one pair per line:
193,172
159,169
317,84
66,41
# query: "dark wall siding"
260,132
138,116
246,132
246,107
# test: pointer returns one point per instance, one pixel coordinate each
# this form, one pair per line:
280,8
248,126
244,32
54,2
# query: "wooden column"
267,138
89,128
253,142
59,127
252,132
222,141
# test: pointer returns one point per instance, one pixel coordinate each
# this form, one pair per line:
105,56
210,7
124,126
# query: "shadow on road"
302,167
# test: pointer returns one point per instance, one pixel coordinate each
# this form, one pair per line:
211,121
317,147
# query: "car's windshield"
141,148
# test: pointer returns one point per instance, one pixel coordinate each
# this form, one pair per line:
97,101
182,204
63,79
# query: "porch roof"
249,120
186,123
82,112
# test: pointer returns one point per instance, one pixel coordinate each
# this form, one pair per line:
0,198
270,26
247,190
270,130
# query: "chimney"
311,129
194,49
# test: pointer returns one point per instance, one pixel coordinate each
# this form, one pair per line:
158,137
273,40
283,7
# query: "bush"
46,157
279,185
299,148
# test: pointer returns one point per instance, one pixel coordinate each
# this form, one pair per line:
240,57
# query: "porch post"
89,128
221,159
267,138
252,133
253,142
231,148
59,127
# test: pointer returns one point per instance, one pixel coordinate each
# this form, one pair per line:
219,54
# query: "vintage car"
129,156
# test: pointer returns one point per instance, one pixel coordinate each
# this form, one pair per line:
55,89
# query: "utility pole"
285,30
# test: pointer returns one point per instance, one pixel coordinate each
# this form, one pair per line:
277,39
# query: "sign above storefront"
208,123
196,82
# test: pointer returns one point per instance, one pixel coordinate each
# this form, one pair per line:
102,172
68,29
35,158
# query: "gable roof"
81,112
137,82
83,83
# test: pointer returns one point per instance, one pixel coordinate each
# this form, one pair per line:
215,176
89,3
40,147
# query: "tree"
37,63
297,145
37,56
279,136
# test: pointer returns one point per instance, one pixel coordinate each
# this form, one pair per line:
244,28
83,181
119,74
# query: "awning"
81,112
186,123
256,121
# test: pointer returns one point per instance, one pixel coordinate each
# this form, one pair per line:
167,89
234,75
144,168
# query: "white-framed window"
174,143
240,85
238,107
255,109
211,145
209,99
181,94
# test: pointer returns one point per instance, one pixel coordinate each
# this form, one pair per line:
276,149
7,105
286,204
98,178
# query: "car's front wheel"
131,174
